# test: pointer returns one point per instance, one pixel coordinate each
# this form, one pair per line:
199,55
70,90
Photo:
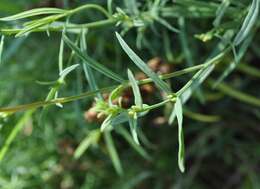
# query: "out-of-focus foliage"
54,147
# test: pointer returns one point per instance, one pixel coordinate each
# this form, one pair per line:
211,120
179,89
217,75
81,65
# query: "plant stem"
70,27
154,106
90,6
10,110
224,88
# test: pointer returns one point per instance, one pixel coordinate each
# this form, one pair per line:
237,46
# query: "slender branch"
70,27
90,6
224,88
10,110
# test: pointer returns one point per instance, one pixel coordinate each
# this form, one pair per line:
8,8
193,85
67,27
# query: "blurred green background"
221,154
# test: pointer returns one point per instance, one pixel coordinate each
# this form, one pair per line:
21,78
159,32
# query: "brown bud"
160,120
105,96
155,63
91,115
66,146
165,68
140,76
147,89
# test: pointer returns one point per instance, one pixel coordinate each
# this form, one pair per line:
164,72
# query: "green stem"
96,24
154,106
215,60
10,110
224,88
173,74
90,6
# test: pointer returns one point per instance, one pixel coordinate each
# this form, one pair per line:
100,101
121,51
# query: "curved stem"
90,6
154,106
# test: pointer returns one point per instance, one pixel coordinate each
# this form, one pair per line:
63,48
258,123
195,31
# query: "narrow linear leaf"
185,93
201,117
91,138
167,25
132,6
181,152
243,49
66,71
33,25
236,94
120,118
133,128
187,53
33,12
250,70
113,152
106,123
195,81
87,69
17,128
172,117
53,93
1,47
50,96
129,139
135,87
220,12
248,22
123,117
61,55
137,60
137,180
115,94
95,65
110,6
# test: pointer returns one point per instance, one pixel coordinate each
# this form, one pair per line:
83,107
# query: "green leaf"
61,55
91,138
53,93
129,139
158,81
1,47
133,128
115,94
136,90
33,12
187,53
248,23
36,24
236,94
113,153
179,115
17,128
220,12
201,117
131,6
123,117
186,91
110,6
120,118
167,25
91,62
243,49
66,71
195,81
106,123
87,69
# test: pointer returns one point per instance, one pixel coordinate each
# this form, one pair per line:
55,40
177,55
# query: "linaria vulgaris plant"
234,26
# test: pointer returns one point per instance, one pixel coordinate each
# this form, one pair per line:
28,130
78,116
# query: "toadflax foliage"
233,29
